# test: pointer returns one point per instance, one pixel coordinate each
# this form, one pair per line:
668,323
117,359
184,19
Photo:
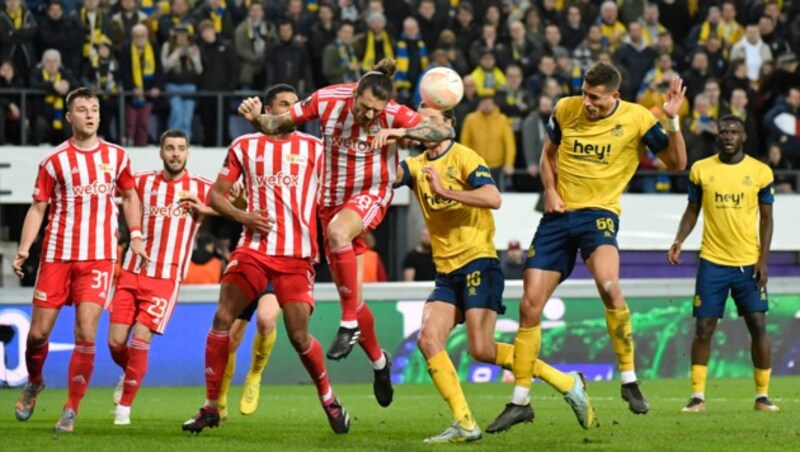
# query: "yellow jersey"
596,159
729,195
459,233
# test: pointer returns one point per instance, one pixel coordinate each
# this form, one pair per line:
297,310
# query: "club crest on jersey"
105,168
617,131
183,194
295,159
450,173
747,182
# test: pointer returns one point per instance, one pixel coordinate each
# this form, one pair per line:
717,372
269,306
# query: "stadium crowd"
517,58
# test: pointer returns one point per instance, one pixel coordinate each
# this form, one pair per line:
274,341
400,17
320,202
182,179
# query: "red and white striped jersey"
351,166
168,229
80,185
282,178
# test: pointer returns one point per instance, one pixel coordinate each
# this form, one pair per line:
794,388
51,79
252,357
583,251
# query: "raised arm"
674,155
250,109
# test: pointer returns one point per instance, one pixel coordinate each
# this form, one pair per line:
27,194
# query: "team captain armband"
480,177
553,129
767,194
656,138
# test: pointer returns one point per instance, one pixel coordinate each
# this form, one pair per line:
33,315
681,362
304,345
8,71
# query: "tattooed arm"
429,131
250,109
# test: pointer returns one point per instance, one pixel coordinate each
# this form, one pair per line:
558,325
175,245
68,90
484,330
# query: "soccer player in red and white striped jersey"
281,175
360,165
174,203
78,180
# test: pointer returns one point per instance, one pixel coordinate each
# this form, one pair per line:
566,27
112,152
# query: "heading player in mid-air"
78,181
735,192
591,151
174,203
356,189
456,192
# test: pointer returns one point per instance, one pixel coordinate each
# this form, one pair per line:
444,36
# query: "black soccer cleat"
338,417
382,385
511,416
343,343
633,395
206,417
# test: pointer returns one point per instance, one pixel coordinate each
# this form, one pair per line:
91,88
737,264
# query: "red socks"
135,370
34,359
119,355
343,263
314,363
81,366
369,340
217,347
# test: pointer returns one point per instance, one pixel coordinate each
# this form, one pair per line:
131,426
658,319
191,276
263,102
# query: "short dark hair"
274,90
731,118
345,23
172,133
449,115
80,93
603,74
379,80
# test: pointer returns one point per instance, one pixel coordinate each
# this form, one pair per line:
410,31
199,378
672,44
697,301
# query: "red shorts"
64,283
292,278
369,207
146,300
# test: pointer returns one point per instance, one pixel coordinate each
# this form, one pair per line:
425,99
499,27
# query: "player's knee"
115,342
223,319
299,340
37,337
338,236
85,333
609,289
530,310
703,333
429,344
266,324
482,351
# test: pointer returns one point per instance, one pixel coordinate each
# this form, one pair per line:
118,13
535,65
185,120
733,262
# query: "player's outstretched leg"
345,267
380,359
761,354
295,317
438,319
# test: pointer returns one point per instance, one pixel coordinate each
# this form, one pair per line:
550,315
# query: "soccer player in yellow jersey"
456,192
591,150
735,192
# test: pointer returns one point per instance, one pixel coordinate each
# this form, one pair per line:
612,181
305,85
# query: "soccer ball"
441,88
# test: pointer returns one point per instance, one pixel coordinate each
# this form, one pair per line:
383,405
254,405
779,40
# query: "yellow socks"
761,377
262,348
698,376
618,323
560,381
445,378
526,351
504,357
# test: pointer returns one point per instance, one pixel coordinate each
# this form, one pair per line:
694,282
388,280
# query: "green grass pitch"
289,418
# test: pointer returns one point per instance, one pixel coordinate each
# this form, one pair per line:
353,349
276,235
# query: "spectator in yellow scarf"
375,44
488,77
18,31
140,72
50,76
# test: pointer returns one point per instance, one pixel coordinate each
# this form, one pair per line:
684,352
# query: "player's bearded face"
174,153
598,102
367,108
84,116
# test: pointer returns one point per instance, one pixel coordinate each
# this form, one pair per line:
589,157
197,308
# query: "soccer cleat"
206,417
66,423
511,416
382,385
695,405
27,401
578,400
250,393
765,404
343,343
122,415
338,417
456,434
118,390
633,395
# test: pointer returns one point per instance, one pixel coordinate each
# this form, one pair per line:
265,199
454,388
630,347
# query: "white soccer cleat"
122,415
118,390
